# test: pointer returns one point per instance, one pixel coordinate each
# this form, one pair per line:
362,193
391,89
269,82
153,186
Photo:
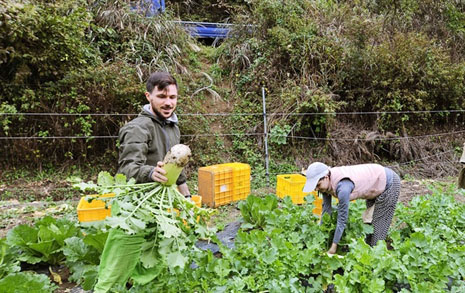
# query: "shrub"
79,57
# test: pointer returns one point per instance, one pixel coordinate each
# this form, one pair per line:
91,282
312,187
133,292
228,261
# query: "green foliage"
43,41
83,257
455,19
326,56
5,121
8,262
423,210
355,228
244,146
288,253
283,251
78,57
278,134
279,257
406,73
26,282
254,210
425,250
43,242
442,19
122,33
170,223
370,269
205,10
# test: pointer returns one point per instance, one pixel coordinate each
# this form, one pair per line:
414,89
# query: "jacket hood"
147,111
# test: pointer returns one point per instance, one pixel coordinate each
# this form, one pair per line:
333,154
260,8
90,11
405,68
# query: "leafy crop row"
281,247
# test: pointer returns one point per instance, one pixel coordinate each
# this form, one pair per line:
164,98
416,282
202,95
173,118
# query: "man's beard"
160,115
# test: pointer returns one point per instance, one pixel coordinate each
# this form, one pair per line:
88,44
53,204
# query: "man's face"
163,102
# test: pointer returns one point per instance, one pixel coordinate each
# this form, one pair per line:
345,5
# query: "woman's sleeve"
343,190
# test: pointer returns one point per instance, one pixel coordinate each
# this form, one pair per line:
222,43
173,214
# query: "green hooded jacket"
144,141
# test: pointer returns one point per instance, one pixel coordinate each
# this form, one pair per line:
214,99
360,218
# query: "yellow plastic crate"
93,211
292,185
216,185
241,180
197,199
318,203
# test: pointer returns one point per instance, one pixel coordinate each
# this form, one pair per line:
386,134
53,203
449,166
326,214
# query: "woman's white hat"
314,173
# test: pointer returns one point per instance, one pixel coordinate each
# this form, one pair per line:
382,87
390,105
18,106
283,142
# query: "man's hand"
332,249
158,174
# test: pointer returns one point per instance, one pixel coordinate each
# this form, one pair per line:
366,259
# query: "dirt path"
412,188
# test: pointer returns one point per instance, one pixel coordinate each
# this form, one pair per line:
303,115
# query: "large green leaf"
46,248
58,230
254,209
22,235
26,283
176,259
8,262
168,227
89,277
77,250
96,240
105,179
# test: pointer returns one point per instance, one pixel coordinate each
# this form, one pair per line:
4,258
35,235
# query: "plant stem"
149,194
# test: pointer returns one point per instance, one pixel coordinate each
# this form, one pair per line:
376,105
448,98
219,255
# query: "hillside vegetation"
84,57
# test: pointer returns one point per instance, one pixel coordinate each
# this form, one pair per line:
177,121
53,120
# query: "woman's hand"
332,249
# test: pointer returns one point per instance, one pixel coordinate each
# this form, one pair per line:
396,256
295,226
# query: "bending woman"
378,185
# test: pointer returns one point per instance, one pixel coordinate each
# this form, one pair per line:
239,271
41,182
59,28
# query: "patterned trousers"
385,205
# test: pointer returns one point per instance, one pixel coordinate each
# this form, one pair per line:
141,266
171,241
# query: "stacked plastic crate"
241,180
224,183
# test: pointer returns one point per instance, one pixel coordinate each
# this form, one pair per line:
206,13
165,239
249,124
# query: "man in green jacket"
145,140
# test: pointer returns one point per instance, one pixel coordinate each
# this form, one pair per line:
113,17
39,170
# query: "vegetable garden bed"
279,248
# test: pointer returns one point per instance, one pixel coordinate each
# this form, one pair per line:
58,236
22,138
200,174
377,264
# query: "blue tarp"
207,29
196,29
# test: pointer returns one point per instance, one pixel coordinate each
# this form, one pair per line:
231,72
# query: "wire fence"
397,138
47,137
376,137
246,114
436,155
70,188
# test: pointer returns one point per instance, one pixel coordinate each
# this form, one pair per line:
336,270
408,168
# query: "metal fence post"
265,133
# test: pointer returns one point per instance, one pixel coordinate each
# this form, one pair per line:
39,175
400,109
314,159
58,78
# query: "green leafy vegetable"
8,262
43,242
254,209
82,259
168,221
26,283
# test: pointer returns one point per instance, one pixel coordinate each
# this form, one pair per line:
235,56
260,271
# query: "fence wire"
242,134
21,189
437,155
245,114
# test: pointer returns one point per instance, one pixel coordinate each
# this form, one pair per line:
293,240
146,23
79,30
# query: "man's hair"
160,80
